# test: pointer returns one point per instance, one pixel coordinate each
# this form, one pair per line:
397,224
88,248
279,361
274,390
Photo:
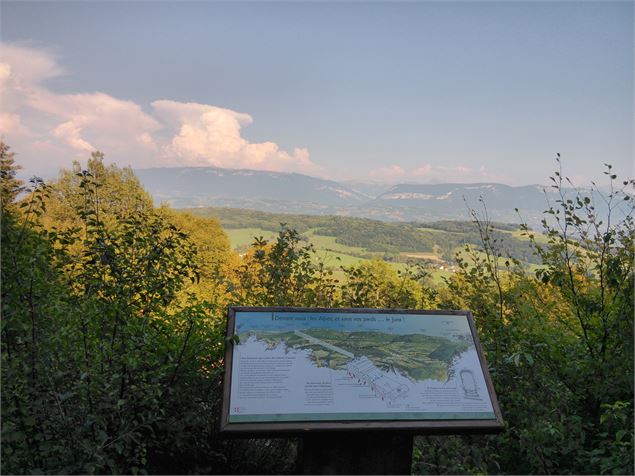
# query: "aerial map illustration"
291,366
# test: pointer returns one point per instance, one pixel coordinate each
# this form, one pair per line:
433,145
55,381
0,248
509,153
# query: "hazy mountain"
201,186
368,188
186,187
451,201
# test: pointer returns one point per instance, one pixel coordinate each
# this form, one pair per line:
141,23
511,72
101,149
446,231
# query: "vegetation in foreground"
113,316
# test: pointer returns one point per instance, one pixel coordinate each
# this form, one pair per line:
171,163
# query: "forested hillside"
433,242
114,314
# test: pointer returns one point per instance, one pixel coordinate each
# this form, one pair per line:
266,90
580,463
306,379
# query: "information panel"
287,365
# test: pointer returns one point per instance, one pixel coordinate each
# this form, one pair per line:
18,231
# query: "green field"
333,254
241,238
330,243
346,241
540,238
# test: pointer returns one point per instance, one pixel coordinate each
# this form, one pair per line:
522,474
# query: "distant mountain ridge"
189,187
201,186
451,200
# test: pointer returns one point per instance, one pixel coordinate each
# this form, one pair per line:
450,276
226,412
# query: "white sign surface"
340,366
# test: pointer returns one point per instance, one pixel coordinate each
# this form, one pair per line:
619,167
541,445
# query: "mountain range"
191,187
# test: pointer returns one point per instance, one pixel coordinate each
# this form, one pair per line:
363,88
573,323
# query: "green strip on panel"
278,417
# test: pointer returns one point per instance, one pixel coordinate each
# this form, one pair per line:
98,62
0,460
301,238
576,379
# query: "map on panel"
294,366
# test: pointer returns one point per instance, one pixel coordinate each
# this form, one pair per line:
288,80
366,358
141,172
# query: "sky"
389,92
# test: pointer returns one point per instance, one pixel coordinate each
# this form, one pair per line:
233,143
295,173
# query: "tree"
560,338
214,259
102,369
11,186
115,193
376,284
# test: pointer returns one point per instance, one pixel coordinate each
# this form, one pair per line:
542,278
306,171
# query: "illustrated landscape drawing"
342,366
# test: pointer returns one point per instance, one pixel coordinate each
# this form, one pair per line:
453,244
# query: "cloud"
387,174
431,173
22,71
445,173
70,132
99,121
209,135
65,126
11,124
35,119
34,65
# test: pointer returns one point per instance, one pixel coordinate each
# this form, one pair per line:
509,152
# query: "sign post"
357,384
359,453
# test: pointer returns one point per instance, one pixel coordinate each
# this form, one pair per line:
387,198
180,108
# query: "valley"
345,241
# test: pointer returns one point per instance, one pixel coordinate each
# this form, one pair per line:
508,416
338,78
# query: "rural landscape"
344,241
161,162
114,315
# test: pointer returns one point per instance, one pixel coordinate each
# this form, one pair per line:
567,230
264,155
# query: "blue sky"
417,91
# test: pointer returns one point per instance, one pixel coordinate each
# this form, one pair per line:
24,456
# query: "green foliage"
284,273
102,372
458,226
113,328
613,453
33,304
559,344
11,186
461,233
116,194
376,284
369,238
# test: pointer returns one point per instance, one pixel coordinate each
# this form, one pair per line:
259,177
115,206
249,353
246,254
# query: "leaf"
619,435
235,339
65,396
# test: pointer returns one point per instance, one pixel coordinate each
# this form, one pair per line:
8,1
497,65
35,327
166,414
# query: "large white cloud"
209,135
49,129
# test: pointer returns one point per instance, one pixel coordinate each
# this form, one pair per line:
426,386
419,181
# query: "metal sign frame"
453,426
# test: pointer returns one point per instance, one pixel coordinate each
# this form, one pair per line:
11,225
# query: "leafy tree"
589,260
213,257
564,335
377,284
11,186
116,193
102,371
278,273
32,303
